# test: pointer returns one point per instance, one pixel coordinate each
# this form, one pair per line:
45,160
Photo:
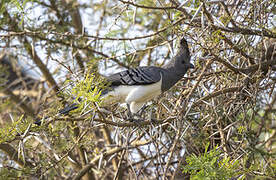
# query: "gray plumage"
137,86
171,73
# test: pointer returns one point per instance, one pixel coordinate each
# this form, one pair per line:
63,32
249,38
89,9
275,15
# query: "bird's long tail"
69,108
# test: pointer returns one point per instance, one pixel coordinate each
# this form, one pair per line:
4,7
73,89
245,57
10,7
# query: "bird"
136,86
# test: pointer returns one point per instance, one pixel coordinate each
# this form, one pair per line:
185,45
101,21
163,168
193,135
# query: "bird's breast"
144,93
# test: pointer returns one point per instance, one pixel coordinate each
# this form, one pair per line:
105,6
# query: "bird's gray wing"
137,76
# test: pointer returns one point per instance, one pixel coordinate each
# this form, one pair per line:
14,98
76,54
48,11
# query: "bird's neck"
175,72
172,67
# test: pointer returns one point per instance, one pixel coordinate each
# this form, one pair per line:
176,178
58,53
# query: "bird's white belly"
144,93
136,96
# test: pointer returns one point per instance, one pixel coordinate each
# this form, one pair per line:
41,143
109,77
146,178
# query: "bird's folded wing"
138,76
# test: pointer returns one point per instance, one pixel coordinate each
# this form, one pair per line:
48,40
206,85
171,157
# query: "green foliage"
6,173
14,173
3,75
18,5
210,165
9,131
3,5
88,90
217,36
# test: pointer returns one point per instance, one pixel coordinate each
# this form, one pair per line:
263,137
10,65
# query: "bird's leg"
129,114
141,111
152,117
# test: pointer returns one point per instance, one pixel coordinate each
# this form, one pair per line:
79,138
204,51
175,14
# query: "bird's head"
183,57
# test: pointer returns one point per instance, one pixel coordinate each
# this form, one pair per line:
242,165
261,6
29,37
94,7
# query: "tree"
221,115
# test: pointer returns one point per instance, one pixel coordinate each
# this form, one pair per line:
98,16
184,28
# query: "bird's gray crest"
184,47
181,61
183,43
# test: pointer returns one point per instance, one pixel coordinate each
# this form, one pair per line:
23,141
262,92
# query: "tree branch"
13,154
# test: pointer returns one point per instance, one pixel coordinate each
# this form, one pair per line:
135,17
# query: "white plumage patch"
135,96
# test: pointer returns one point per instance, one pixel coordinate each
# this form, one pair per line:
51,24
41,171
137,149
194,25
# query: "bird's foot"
130,116
135,117
141,111
153,121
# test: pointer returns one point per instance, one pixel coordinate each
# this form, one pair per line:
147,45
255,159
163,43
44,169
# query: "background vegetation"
217,123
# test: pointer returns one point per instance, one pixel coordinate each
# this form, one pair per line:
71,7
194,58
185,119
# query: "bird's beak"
191,66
